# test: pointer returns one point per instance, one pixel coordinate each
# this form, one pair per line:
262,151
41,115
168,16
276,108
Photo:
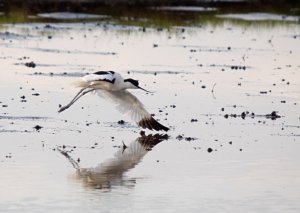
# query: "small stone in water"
209,150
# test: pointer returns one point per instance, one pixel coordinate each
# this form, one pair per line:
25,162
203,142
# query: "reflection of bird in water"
113,87
110,172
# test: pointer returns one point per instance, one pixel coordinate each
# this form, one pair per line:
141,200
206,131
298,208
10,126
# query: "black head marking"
134,82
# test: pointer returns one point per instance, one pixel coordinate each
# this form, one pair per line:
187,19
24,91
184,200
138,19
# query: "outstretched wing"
130,106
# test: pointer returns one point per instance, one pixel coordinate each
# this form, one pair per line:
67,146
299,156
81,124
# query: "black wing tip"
149,141
152,124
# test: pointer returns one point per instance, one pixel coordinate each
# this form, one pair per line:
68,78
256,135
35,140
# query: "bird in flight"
113,87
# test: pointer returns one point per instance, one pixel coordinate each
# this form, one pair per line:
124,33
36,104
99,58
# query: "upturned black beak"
144,89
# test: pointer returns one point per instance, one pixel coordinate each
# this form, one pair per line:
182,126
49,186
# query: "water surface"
215,86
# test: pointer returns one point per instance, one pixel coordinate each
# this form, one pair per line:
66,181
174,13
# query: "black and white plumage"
113,87
110,172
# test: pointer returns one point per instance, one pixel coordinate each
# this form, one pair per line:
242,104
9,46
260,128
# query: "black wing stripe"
102,73
107,80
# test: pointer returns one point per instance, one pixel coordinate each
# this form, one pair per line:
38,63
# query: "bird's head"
133,84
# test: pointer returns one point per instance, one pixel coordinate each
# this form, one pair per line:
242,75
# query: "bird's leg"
72,161
82,94
67,106
79,95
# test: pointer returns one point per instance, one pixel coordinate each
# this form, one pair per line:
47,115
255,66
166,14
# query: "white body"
103,82
113,87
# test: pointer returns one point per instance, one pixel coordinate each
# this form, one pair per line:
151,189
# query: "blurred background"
20,9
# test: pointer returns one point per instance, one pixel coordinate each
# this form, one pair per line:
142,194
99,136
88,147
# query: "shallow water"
217,159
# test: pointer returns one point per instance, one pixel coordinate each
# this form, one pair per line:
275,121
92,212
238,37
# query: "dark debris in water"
231,67
23,98
181,137
189,139
37,127
238,67
121,122
273,115
30,64
263,92
63,74
209,150
151,72
22,117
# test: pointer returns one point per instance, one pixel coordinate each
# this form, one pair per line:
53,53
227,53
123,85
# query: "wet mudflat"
228,91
